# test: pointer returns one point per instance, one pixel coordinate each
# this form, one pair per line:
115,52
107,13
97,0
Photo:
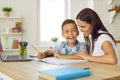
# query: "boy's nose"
70,32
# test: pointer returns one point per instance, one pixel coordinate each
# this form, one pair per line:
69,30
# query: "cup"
23,48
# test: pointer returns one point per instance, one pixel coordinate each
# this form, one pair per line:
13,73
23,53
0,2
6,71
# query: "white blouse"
98,51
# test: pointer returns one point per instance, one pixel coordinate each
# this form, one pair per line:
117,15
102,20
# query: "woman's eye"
82,26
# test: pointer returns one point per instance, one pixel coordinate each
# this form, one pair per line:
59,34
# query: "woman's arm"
109,57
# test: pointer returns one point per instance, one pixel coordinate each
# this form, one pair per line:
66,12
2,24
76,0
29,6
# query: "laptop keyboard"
14,58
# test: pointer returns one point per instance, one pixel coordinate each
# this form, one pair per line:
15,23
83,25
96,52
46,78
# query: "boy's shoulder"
61,43
80,42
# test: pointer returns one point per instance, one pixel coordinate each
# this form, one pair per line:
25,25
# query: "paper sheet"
58,61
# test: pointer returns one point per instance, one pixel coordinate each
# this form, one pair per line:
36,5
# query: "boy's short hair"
67,21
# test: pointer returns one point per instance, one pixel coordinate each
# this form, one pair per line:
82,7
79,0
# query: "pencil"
36,48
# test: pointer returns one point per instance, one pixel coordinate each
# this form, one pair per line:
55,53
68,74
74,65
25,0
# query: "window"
52,14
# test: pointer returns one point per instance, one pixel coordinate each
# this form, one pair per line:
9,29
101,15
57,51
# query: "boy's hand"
41,55
57,54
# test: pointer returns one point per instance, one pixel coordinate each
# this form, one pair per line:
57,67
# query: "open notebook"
58,61
14,58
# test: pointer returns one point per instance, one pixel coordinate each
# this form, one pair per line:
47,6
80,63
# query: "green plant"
54,39
7,9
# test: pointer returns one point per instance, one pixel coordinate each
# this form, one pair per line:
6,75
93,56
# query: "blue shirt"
65,49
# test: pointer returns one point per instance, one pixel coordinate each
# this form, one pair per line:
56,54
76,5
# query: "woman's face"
84,27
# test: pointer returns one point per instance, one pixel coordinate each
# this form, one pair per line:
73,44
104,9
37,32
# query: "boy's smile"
71,38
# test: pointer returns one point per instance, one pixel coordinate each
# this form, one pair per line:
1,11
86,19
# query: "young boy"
66,49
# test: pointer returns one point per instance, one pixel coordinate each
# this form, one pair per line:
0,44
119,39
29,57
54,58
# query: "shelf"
11,33
10,49
117,41
117,10
14,17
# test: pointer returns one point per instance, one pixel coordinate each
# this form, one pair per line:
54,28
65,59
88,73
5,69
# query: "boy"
66,49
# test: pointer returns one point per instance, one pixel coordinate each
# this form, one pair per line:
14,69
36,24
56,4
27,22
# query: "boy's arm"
66,56
48,53
71,56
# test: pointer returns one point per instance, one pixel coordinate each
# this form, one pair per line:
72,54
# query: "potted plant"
54,39
7,11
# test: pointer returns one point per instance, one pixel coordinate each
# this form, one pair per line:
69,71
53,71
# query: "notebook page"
58,61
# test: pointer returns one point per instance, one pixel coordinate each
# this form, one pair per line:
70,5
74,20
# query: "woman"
101,44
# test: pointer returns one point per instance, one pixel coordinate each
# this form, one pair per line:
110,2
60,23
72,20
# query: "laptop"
14,58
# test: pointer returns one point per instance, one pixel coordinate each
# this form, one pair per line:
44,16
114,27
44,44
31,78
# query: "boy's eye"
74,30
70,31
66,31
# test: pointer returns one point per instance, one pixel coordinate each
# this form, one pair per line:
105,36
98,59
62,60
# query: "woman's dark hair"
67,21
91,17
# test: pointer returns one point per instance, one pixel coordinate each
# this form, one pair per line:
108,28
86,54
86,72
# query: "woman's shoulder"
104,37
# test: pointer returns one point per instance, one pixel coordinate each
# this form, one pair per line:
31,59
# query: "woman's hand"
83,55
41,55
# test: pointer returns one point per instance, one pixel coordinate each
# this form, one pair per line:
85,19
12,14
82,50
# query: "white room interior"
31,22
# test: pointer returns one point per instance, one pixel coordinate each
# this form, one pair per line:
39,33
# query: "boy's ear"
62,34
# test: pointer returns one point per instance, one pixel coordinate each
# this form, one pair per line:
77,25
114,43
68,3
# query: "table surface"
29,70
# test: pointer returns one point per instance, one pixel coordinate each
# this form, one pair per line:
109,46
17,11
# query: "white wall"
77,6
27,9
105,16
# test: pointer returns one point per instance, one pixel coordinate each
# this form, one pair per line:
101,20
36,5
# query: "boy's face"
70,33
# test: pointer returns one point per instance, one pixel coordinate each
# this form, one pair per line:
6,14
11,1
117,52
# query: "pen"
86,68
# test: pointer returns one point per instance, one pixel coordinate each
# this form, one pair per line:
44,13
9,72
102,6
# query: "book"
1,49
59,61
64,73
